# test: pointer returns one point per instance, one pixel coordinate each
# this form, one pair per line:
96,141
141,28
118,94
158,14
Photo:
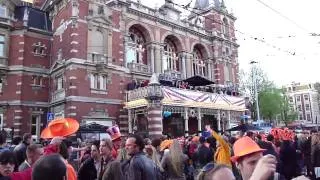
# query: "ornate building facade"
78,59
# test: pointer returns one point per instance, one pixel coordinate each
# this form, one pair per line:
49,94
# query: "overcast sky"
280,35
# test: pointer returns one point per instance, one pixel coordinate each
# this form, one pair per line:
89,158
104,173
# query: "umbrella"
244,128
198,81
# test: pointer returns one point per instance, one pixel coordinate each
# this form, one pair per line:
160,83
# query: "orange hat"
60,127
114,132
243,147
165,144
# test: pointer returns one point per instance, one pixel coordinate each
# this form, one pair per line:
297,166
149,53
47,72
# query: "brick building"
75,58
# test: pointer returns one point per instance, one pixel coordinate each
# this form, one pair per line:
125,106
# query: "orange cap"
243,147
60,127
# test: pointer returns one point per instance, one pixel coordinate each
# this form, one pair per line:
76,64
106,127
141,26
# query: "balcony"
139,68
97,58
58,95
135,94
173,74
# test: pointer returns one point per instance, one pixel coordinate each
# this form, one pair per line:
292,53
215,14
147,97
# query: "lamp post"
154,98
254,77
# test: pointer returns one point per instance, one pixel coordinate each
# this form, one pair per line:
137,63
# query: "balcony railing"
135,94
173,74
58,95
97,58
139,68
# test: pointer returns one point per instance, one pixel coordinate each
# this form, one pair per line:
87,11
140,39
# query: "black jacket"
204,155
87,170
141,168
20,152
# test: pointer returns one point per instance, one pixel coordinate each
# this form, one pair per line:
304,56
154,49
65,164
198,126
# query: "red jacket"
23,175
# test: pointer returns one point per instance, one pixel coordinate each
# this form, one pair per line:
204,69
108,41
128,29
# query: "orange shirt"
71,173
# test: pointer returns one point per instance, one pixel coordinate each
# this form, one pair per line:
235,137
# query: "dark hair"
26,136
51,167
7,157
63,149
202,139
250,134
156,142
138,140
3,136
270,137
96,143
16,140
259,137
232,140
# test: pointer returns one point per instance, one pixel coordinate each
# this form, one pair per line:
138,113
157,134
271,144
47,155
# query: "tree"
246,86
270,103
287,114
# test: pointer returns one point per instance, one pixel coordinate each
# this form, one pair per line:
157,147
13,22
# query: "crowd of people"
279,155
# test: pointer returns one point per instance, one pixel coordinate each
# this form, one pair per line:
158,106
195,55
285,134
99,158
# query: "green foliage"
270,103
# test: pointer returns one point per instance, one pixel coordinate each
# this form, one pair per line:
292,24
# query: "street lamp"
254,71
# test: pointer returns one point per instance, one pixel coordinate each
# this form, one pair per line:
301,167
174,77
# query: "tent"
92,131
244,128
198,81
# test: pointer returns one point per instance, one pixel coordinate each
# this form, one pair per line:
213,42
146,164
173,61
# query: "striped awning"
190,98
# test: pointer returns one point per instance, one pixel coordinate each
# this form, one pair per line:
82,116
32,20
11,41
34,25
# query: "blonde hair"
154,156
175,156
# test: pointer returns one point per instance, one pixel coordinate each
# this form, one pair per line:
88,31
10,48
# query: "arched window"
225,27
136,52
198,65
170,58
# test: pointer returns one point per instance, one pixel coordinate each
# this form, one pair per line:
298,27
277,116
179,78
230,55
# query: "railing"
172,74
137,94
139,68
97,58
142,8
58,95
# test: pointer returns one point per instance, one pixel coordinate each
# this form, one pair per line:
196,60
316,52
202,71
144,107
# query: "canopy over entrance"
198,81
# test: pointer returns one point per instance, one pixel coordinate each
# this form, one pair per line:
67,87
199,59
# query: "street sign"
50,117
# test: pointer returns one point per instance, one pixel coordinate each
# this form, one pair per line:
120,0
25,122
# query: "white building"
303,98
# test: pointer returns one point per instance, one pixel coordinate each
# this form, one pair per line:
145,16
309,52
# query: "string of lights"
255,38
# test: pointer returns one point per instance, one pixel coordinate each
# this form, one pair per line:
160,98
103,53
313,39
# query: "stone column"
125,41
130,129
219,120
229,119
199,121
209,69
183,65
124,121
158,59
186,125
189,65
152,58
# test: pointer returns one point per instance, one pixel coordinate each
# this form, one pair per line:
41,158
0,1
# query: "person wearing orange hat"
249,159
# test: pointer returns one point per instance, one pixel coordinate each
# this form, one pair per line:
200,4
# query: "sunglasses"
208,167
